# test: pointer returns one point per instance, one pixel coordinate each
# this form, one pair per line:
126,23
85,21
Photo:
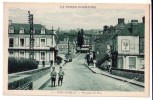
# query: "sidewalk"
99,71
42,81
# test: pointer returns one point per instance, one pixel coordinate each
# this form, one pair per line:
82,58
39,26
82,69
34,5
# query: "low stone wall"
18,80
131,74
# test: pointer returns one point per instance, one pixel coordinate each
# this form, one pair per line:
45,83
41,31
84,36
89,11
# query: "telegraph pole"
31,51
54,54
68,46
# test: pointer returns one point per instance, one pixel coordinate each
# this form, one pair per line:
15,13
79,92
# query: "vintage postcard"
76,49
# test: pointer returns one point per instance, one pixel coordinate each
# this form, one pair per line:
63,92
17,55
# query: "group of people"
54,75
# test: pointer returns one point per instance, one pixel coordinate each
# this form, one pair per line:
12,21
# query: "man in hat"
60,76
53,77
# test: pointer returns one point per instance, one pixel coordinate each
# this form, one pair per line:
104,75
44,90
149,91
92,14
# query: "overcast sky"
75,18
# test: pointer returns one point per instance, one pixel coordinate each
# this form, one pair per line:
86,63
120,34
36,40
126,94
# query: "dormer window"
21,31
11,30
42,30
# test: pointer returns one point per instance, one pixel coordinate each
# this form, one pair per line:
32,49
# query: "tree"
78,39
82,37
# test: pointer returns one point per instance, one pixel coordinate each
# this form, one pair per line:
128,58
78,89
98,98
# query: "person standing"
53,77
88,58
60,76
43,63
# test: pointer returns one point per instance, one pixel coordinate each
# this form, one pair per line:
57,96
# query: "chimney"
10,22
120,20
134,24
143,19
105,28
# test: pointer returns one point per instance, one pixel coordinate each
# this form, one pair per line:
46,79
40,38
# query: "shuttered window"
11,42
132,62
120,62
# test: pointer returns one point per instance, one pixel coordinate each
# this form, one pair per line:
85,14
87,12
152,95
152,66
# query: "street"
79,77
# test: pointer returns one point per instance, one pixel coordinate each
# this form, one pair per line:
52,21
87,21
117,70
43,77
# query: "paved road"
79,77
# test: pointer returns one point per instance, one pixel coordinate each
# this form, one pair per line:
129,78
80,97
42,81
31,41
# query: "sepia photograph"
77,49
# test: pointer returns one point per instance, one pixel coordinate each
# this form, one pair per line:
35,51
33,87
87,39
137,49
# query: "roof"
26,27
107,35
127,30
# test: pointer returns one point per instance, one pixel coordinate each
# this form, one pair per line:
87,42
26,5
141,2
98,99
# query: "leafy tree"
79,39
82,37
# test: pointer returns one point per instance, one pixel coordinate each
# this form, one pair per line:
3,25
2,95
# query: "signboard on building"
125,45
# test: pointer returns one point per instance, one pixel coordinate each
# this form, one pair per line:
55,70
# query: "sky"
67,19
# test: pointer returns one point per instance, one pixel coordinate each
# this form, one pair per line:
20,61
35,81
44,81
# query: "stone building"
19,42
128,46
122,45
64,45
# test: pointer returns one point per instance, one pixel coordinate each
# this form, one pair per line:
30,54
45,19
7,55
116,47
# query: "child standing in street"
60,76
53,77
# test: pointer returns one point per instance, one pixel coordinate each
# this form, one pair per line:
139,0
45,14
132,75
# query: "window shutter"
37,42
27,42
48,42
16,42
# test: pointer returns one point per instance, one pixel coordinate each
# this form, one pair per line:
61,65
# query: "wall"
133,44
131,74
139,62
37,45
26,78
37,38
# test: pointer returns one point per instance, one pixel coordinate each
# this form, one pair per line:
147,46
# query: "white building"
19,42
128,47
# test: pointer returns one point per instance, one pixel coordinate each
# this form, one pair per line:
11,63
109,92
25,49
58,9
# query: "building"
121,45
64,46
128,46
102,45
86,45
19,42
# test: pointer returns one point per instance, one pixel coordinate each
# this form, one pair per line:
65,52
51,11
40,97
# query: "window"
11,42
142,64
42,56
132,62
22,54
11,30
21,42
43,42
21,31
42,30
34,42
141,45
11,54
120,62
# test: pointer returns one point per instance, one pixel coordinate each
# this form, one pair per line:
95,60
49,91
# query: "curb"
117,78
90,68
124,80
44,84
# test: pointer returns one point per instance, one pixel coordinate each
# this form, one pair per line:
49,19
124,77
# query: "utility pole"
68,46
31,51
53,45
52,36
